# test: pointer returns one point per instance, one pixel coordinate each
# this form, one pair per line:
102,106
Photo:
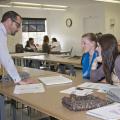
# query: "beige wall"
112,16
71,37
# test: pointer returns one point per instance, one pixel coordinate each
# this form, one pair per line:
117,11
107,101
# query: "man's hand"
26,81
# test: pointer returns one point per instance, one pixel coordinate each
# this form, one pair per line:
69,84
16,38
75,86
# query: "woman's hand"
95,63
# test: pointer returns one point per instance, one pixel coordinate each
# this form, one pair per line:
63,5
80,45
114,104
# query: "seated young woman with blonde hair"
89,44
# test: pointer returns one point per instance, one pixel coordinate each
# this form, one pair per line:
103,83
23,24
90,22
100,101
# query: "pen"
80,88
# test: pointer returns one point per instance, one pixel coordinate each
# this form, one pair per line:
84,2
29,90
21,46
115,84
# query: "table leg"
13,106
2,108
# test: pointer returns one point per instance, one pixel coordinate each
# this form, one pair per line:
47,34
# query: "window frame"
35,26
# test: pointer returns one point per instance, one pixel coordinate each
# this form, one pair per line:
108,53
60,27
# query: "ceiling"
56,2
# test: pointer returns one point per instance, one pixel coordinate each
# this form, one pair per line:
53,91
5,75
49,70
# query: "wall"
71,37
0,12
112,19
68,37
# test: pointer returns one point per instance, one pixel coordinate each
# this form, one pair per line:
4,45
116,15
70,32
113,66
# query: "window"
33,27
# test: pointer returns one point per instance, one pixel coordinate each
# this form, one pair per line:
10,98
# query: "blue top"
86,64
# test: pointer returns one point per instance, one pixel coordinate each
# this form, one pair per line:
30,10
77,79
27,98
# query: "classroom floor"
35,115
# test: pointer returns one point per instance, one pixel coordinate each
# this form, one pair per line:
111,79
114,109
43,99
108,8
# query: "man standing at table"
10,24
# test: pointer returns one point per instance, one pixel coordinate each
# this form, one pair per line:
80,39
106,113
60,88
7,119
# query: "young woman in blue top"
89,44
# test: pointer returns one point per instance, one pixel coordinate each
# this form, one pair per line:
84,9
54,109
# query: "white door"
91,24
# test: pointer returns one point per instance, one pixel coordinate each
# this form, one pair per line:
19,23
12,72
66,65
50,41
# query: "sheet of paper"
97,86
29,88
52,80
73,90
109,112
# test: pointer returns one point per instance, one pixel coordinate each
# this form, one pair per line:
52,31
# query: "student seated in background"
89,44
55,46
30,46
110,68
45,45
27,47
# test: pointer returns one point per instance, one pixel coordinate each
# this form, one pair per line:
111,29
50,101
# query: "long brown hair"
109,52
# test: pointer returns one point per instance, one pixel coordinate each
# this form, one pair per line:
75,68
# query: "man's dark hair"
10,14
109,52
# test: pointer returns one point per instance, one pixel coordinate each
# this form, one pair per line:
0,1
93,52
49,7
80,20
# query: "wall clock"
68,22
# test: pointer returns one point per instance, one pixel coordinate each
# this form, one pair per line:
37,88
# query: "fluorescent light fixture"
53,9
5,6
45,8
26,7
35,6
24,3
59,6
112,1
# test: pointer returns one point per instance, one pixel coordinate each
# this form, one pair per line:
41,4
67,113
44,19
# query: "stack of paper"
29,88
73,90
96,86
52,80
109,112
114,94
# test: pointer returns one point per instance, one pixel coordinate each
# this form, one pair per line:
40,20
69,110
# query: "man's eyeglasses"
17,24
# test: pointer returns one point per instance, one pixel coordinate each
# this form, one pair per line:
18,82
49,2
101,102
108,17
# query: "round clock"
68,22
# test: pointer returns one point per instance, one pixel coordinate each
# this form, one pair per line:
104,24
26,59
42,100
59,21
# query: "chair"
70,52
19,48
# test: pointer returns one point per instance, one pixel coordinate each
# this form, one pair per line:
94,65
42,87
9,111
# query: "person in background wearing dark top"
30,46
110,60
45,45
89,44
27,47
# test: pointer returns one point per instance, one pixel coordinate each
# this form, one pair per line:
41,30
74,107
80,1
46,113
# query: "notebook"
29,88
114,94
53,80
109,112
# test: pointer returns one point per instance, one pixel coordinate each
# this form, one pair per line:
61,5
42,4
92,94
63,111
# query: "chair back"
71,51
19,48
